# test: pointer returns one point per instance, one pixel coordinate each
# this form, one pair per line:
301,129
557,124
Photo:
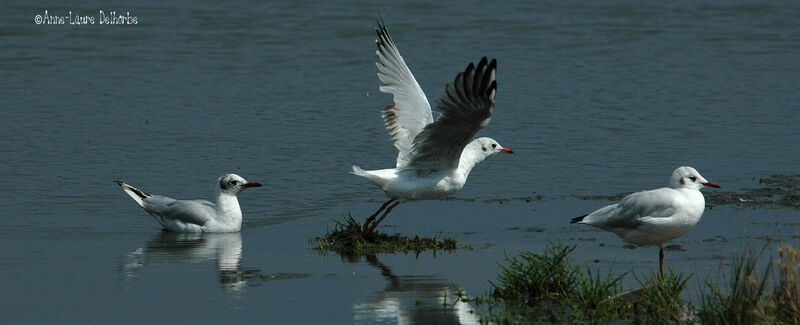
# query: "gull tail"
372,175
134,193
578,219
359,172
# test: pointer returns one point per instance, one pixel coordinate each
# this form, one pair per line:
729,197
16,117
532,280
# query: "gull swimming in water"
654,217
434,158
195,216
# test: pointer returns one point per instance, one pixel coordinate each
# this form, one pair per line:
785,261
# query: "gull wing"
411,112
464,108
197,212
646,204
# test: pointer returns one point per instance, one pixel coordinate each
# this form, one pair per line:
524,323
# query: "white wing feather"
411,112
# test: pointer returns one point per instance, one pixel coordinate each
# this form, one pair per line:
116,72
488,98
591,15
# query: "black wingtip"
380,23
484,61
383,34
578,219
138,192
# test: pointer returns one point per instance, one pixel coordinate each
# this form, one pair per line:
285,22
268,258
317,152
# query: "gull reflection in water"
414,300
168,247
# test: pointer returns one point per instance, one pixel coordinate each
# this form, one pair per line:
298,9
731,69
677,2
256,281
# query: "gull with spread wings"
434,158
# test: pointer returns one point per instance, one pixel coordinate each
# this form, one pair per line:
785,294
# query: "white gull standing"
434,158
654,217
195,216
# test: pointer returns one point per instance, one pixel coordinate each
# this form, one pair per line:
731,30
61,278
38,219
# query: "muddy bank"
776,191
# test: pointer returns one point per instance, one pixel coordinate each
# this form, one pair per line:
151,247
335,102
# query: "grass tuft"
598,298
745,299
658,300
348,240
787,291
549,287
532,278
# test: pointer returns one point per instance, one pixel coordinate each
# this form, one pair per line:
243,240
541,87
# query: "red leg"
661,261
375,224
372,217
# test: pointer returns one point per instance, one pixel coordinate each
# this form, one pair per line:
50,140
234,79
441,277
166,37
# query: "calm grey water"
595,99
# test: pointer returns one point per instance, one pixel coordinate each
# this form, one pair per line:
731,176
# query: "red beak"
711,184
506,150
251,184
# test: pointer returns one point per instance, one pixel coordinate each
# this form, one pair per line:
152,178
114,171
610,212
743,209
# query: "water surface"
595,99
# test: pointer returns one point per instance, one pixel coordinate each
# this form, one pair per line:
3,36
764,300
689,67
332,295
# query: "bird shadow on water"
224,249
413,299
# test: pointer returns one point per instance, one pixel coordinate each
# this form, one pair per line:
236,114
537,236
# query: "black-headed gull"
194,216
434,158
654,217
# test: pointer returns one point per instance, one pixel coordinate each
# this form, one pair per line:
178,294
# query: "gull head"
489,146
233,184
688,177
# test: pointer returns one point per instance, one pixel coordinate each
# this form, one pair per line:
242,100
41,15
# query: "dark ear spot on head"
484,148
224,185
683,181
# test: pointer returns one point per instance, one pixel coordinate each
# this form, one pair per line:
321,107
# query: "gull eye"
494,145
693,178
234,182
